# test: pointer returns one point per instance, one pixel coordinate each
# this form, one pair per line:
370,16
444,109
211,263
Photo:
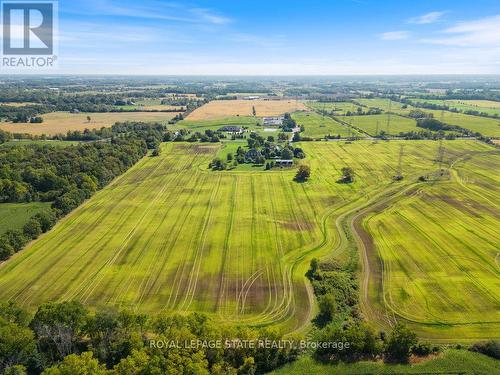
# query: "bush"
303,173
32,229
400,344
490,348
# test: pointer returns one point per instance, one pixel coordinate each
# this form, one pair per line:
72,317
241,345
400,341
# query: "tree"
60,325
88,119
400,343
83,364
303,173
254,112
347,175
17,345
32,229
287,154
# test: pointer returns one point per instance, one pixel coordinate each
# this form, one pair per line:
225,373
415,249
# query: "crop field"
486,126
60,122
169,235
338,108
217,109
396,125
15,215
317,126
486,106
439,251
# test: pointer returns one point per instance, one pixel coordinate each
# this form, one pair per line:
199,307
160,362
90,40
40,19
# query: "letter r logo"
28,28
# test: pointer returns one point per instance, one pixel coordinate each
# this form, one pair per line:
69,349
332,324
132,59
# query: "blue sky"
242,37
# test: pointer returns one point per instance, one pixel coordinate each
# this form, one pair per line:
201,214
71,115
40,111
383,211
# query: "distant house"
231,129
283,163
251,97
273,121
75,111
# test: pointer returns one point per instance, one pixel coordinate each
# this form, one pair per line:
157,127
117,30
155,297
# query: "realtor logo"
29,29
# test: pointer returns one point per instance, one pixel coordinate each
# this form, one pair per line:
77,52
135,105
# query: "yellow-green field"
486,106
391,124
338,108
318,126
60,122
169,235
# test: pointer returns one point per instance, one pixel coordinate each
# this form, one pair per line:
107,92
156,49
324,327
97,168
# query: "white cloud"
427,18
209,16
481,32
395,35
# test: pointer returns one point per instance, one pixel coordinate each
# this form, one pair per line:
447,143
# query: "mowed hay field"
439,247
169,235
392,124
60,122
317,126
226,108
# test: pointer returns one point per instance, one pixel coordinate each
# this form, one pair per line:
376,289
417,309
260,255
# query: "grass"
486,126
451,362
15,215
338,108
61,122
317,126
24,142
394,126
169,235
486,106
217,109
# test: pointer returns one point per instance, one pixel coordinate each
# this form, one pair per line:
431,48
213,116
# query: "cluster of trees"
347,175
339,320
66,176
186,135
288,123
303,173
436,125
66,339
27,113
419,114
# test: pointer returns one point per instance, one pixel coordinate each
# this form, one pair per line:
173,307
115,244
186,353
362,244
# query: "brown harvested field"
227,108
61,122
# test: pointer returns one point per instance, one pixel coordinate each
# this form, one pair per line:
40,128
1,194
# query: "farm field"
438,246
338,108
368,124
169,235
486,126
217,109
486,106
317,126
15,215
61,122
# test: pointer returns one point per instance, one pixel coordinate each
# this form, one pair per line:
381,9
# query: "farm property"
61,122
170,235
217,109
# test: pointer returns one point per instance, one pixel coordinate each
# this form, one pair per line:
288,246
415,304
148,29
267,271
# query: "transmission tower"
399,171
440,155
389,117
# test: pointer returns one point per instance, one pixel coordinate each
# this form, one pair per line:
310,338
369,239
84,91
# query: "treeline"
66,339
67,176
25,113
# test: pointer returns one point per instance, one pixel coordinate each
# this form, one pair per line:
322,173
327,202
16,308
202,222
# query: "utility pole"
440,155
389,117
399,170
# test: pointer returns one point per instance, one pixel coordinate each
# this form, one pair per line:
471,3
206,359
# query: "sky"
275,37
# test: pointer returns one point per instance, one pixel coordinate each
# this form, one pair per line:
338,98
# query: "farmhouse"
283,163
231,129
273,121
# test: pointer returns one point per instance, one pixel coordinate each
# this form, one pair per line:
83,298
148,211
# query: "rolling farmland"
218,109
169,235
62,122
338,108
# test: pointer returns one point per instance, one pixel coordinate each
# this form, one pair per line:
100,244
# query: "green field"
317,126
451,362
486,126
486,106
15,215
338,108
392,124
439,248
169,235
202,125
